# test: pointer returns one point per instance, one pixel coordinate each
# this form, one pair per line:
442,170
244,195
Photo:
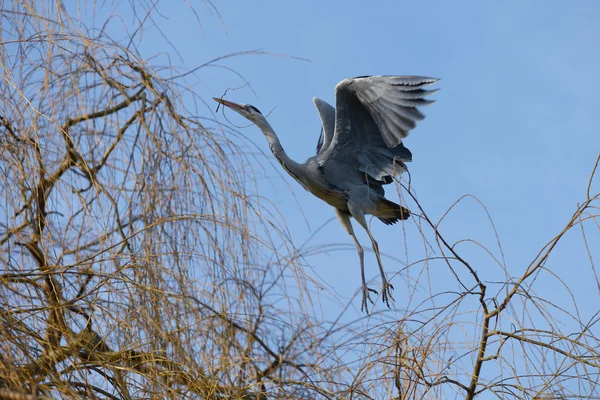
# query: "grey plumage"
327,114
359,151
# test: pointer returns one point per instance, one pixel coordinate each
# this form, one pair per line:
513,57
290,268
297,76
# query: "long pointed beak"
230,104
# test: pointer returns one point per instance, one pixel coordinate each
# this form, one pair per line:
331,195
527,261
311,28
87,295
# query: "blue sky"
515,123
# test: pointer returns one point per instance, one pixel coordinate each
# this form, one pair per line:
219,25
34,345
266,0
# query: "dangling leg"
345,221
386,290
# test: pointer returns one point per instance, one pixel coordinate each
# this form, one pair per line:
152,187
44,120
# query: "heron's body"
360,150
316,183
351,185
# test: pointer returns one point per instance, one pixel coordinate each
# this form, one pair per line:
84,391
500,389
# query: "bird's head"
245,110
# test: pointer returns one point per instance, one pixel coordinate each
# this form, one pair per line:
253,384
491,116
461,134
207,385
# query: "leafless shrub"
138,263
134,262
509,338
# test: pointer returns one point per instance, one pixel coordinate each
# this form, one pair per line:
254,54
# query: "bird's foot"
366,295
386,293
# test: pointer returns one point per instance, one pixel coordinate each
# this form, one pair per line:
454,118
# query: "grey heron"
359,151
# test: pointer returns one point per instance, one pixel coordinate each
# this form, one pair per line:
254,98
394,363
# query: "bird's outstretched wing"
372,116
327,114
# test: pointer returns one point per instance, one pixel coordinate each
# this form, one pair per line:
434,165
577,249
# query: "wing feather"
372,116
392,99
327,114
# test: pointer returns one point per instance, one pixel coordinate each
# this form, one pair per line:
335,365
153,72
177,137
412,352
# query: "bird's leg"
386,290
366,291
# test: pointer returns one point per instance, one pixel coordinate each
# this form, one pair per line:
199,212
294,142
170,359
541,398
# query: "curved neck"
292,167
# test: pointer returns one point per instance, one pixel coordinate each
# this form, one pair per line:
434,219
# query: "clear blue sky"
516,122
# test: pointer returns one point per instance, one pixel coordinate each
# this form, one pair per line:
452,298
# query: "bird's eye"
249,107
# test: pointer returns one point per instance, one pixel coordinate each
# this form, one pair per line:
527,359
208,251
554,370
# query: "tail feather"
389,212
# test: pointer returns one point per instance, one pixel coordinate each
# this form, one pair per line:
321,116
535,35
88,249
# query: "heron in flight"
359,151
